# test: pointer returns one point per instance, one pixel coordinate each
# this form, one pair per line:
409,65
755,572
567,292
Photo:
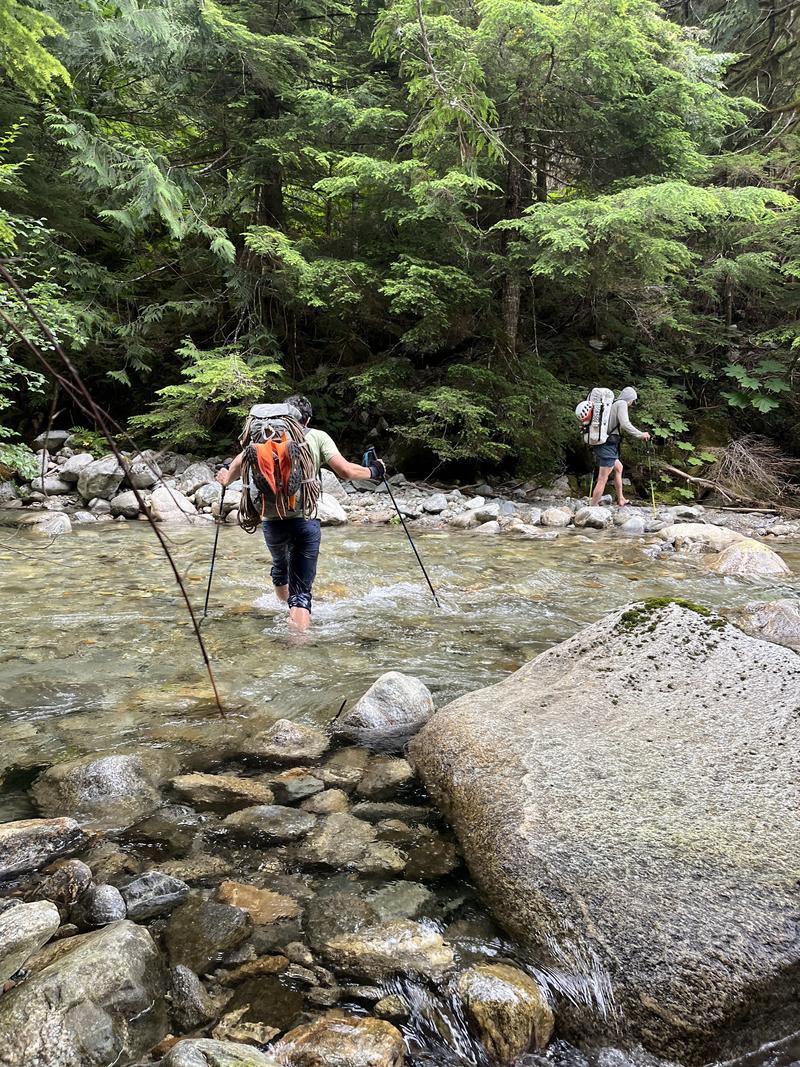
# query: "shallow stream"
96,652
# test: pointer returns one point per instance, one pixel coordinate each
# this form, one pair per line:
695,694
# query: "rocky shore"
78,488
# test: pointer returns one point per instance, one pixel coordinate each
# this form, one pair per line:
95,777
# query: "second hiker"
280,465
607,454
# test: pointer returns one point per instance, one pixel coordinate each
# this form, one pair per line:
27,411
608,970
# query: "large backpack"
278,470
593,415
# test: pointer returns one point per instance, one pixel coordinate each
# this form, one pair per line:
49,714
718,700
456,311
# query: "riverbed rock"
294,785
328,802
342,841
399,946
103,792
391,711
488,528
506,1009
435,503
100,478
195,475
383,776
344,767
221,790
208,495
144,471
28,844
47,523
203,1052
777,621
645,834
201,932
153,893
23,931
331,486
66,882
593,517
126,505
699,536
558,517
100,1001
342,1040
82,518
52,440
288,742
748,559
72,467
269,823
192,1007
467,520
98,906
330,511
51,485
633,526
262,905
170,505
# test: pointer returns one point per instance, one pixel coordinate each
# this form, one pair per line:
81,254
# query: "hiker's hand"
645,436
377,470
223,476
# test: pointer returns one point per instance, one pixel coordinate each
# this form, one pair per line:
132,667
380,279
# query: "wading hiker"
280,466
605,420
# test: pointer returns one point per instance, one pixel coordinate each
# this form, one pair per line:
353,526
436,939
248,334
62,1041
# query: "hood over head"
628,394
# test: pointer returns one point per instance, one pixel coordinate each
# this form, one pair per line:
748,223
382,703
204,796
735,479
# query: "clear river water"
96,650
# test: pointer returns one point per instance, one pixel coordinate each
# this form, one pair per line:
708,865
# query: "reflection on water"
97,651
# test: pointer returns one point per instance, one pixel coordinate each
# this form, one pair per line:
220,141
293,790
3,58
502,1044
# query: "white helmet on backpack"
583,412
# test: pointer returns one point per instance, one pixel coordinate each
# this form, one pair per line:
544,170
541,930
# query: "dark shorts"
294,547
607,455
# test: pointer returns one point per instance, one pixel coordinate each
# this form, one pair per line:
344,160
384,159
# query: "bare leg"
600,487
299,620
618,484
282,593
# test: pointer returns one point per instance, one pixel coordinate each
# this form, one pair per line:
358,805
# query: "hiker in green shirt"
293,538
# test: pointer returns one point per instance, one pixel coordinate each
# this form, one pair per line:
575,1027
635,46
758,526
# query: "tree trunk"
512,284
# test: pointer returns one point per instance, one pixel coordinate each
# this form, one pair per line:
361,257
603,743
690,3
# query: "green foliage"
17,456
25,60
219,384
758,386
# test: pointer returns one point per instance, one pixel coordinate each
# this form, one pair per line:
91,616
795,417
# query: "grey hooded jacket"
619,420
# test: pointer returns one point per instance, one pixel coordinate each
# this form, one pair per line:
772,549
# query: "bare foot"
622,503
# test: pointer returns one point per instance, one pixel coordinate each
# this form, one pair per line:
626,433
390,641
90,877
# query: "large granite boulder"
330,512
778,621
23,930
91,1001
100,478
108,792
627,803
699,536
170,505
748,559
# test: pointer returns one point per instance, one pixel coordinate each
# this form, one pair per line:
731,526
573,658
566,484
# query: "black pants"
294,547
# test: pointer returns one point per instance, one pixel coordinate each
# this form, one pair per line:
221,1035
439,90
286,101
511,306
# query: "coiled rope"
304,482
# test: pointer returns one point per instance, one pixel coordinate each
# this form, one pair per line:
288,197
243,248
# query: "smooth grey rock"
153,893
393,709
208,495
203,1052
534,517
23,931
558,517
748,559
52,439
269,823
383,776
699,537
99,906
100,478
31,843
194,476
633,526
171,463
614,834
200,932
192,1007
490,528
47,523
71,469
100,1000
104,792
125,504
330,512
143,471
777,621
99,507
288,742
82,518
331,486
596,518
294,785
328,802
52,485
170,505
66,883
435,504
8,492
465,521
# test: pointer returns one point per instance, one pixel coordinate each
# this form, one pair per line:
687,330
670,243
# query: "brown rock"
221,790
328,802
383,777
507,1010
253,969
262,905
289,742
341,1040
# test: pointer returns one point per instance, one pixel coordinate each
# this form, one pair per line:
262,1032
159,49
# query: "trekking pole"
652,483
367,454
220,520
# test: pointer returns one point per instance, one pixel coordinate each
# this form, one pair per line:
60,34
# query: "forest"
443,220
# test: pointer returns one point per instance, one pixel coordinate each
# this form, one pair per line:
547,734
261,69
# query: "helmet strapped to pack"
593,415
278,469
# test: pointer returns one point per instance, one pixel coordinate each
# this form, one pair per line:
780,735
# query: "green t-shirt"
323,449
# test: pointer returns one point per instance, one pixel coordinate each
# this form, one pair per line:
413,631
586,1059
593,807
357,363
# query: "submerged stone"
28,844
393,709
748,559
340,1040
203,1052
632,818
201,932
398,946
507,1010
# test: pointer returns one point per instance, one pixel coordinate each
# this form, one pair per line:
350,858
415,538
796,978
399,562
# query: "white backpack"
593,414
